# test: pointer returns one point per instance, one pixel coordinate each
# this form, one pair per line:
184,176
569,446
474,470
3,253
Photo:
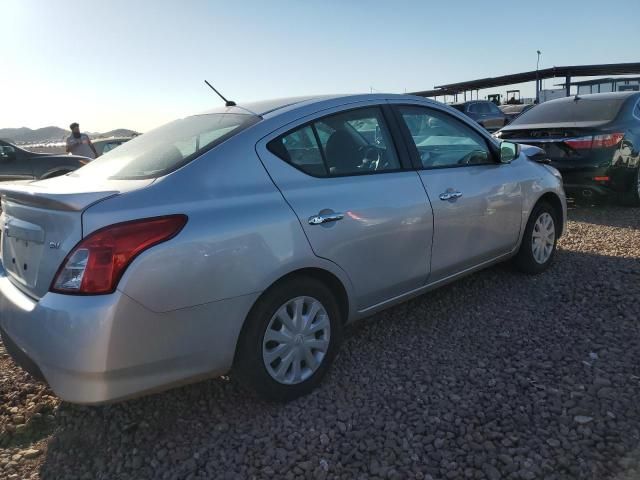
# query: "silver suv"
246,237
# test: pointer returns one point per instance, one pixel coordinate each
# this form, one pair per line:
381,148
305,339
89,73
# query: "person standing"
80,143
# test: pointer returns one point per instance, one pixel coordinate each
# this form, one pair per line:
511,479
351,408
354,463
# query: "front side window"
348,143
492,108
443,141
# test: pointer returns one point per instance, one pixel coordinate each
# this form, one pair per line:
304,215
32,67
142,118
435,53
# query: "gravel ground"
498,375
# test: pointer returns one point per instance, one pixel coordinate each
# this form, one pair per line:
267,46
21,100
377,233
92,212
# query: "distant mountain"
25,136
118,132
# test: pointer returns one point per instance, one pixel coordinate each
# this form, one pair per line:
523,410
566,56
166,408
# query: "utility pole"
538,78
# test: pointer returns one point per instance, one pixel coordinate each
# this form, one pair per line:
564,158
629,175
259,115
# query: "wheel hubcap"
296,340
543,238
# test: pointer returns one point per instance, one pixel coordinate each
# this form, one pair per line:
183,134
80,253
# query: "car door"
477,201
14,164
358,204
495,119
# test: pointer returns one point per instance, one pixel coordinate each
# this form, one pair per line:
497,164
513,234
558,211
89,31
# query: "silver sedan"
243,239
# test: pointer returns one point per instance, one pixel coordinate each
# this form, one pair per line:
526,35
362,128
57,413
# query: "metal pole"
567,80
538,78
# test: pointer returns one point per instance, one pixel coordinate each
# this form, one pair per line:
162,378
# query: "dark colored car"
594,140
513,111
484,112
105,145
19,164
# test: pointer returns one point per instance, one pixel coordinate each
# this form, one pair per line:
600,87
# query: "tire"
631,198
257,346
528,259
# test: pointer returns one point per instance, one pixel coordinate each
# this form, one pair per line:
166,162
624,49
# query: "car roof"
596,96
471,101
273,107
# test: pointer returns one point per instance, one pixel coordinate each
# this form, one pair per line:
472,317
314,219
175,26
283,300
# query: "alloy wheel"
543,238
296,340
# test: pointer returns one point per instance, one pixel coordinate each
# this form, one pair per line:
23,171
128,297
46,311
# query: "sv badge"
54,245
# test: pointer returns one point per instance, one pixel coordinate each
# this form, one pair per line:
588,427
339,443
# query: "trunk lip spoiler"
30,196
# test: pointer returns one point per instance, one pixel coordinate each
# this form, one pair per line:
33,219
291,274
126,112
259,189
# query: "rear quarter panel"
241,235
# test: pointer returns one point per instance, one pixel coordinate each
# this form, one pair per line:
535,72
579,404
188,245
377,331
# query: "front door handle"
450,195
325,218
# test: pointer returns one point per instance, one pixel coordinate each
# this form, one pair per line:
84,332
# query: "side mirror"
509,152
7,154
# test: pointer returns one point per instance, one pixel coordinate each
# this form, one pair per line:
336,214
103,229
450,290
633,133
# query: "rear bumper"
96,349
582,182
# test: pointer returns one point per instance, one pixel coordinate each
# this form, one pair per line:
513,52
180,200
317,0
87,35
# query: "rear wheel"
290,338
539,241
632,196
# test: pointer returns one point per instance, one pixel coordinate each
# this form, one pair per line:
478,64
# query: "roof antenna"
227,103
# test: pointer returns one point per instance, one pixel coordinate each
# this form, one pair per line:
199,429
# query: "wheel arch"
55,173
325,276
553,199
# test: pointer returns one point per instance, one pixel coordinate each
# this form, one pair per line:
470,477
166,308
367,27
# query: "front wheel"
539,241
290,338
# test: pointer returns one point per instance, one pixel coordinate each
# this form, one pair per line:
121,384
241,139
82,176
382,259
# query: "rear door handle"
450,195
325,218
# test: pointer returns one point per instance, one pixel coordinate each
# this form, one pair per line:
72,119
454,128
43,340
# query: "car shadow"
498,356
605,214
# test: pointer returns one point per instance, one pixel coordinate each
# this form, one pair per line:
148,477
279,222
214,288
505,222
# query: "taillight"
598,141
608,140
97,263
581,143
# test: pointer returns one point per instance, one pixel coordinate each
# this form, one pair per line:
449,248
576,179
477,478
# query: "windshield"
582,110
167,148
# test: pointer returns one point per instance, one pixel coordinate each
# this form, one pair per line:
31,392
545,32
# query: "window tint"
301,149
492,107
636,111
443,141
474,108
582,110
109,146
350,143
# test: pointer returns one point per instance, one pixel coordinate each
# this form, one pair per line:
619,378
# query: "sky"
139,64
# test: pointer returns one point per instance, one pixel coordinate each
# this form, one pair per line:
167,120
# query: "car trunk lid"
564,144
42,221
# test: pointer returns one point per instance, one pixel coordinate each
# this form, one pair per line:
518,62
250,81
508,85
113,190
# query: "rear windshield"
583,110
167,148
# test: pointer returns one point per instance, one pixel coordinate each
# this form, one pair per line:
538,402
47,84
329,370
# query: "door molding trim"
432,286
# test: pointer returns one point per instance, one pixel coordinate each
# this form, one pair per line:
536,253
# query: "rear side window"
167,148
349,143
582,110
474,108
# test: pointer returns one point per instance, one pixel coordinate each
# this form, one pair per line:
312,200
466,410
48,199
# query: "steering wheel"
371,156
466,160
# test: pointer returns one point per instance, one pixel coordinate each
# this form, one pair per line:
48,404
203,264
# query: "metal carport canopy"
567,72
